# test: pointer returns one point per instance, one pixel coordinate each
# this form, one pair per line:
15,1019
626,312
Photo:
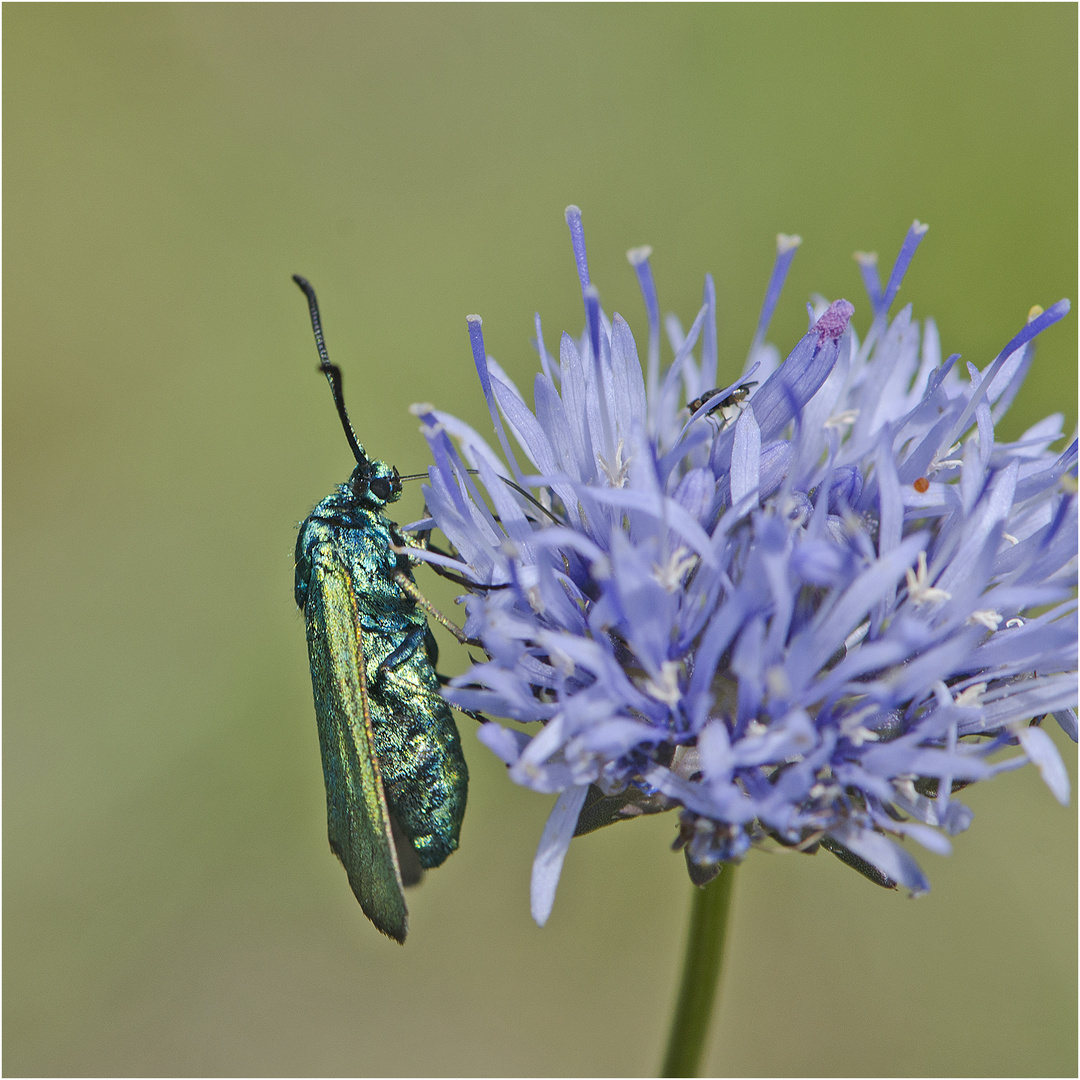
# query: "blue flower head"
805,608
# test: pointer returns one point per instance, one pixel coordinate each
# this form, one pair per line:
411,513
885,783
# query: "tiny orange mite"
921,485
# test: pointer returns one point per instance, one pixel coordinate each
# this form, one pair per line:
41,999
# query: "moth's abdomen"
423,766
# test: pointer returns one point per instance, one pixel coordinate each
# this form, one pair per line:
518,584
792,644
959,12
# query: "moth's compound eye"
380,488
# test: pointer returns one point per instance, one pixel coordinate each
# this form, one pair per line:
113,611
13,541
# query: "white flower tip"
969,698
474,319
777,682
985,617
784,242
865,258
572,212
639,255
592,292
421,408
920,591
918,228
665,687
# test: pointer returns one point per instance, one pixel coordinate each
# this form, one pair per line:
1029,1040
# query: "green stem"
701,976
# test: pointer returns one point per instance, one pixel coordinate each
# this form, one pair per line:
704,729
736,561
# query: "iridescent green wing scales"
358,820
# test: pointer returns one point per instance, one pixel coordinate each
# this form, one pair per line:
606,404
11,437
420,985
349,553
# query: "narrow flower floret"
920,591
804,611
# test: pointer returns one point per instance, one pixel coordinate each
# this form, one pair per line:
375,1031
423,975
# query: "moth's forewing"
358,820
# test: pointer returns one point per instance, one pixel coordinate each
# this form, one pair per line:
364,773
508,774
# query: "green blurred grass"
170,902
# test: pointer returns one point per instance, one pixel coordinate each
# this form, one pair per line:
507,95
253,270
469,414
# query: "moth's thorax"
353,532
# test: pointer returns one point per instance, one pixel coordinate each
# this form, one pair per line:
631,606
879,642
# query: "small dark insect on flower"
728,407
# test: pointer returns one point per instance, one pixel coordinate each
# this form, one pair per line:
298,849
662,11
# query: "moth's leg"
414,640
421,544
474,586
479,717
410,589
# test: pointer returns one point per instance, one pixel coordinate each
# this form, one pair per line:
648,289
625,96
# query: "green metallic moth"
396,779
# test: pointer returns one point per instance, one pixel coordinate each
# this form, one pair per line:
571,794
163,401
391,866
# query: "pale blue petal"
554,844
1043,754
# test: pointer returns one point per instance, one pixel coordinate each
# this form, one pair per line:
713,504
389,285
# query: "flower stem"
701,976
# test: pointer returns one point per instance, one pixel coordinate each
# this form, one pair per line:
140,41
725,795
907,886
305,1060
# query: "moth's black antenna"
510,483
331,371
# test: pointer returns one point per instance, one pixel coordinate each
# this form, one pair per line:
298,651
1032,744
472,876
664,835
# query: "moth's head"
375,484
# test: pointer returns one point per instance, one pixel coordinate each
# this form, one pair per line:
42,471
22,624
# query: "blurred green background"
170,903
